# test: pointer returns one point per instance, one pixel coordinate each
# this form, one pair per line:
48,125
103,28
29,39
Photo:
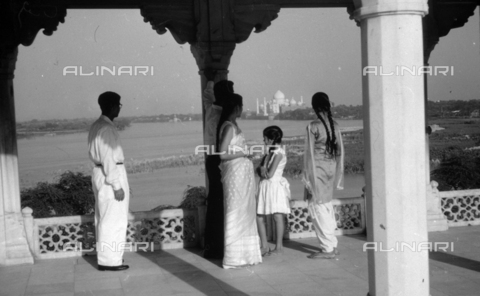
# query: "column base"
16,249
436,222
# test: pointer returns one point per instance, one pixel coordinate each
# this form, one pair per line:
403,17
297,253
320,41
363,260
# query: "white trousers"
111,218
323,220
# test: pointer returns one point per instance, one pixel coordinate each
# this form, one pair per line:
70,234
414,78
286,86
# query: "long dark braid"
329,150
334,137
321,103
231,101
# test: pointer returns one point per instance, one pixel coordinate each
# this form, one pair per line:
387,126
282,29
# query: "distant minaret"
265,107
301,100
258,108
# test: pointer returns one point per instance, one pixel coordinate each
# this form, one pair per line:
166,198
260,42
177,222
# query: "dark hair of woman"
222,89
230,103
321,103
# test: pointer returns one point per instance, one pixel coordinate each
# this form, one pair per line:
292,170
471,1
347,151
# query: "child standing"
273,194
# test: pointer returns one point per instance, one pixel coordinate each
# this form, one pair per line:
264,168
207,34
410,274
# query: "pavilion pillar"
216,56
394,120
13,242
210,170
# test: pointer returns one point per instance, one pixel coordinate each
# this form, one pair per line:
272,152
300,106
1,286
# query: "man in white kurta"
110,185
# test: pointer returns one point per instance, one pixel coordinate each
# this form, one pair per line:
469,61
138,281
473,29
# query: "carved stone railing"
462,207
71,236
62,237
75,235
349,214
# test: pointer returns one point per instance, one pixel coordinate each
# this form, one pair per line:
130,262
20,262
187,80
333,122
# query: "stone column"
221,75
13,242
394,120
203,57
216,56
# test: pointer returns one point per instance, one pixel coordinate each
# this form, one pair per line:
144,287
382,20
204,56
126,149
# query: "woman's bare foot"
265,251
322,255
276,252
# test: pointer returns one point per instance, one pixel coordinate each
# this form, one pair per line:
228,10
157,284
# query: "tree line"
435,109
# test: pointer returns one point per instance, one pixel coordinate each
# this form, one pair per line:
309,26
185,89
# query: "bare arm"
273,167
339,175
225,138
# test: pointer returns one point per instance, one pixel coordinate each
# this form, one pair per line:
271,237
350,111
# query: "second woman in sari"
242,244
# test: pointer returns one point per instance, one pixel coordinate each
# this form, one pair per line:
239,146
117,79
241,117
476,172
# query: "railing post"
28,223
202,211
436,219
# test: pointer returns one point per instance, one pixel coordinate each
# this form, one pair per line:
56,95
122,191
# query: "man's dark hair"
107,100
231,102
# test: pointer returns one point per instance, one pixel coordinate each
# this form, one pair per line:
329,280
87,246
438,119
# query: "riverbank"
166,186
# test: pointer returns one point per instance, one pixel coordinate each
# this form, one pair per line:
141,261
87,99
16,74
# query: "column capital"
215,55
374,8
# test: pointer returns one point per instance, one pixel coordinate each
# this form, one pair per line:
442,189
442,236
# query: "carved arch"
179,19
21,22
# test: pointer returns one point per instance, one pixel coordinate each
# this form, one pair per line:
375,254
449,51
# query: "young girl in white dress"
273,195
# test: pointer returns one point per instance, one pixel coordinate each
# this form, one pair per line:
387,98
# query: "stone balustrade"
61,237
349,214
461,207
69,236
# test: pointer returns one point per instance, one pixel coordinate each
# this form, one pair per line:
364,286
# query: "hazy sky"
304,51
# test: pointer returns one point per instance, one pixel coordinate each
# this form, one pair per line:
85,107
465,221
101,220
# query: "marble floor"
186,272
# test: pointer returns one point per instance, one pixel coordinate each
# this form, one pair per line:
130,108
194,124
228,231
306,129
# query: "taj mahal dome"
278,104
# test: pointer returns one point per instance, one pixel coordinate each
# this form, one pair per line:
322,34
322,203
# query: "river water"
44,158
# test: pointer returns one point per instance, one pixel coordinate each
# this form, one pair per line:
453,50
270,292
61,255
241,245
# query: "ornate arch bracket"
212,27
249,17
22,20
442,17
179,19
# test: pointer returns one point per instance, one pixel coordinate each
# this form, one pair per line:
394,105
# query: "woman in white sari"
242,244
323,172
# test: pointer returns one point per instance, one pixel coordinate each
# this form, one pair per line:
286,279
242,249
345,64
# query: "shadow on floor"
361,237
455,260
301,247
188,272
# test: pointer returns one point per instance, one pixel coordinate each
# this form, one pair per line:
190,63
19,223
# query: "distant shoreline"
25,133
32,134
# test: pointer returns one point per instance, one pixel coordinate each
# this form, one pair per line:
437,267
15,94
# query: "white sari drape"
242,244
